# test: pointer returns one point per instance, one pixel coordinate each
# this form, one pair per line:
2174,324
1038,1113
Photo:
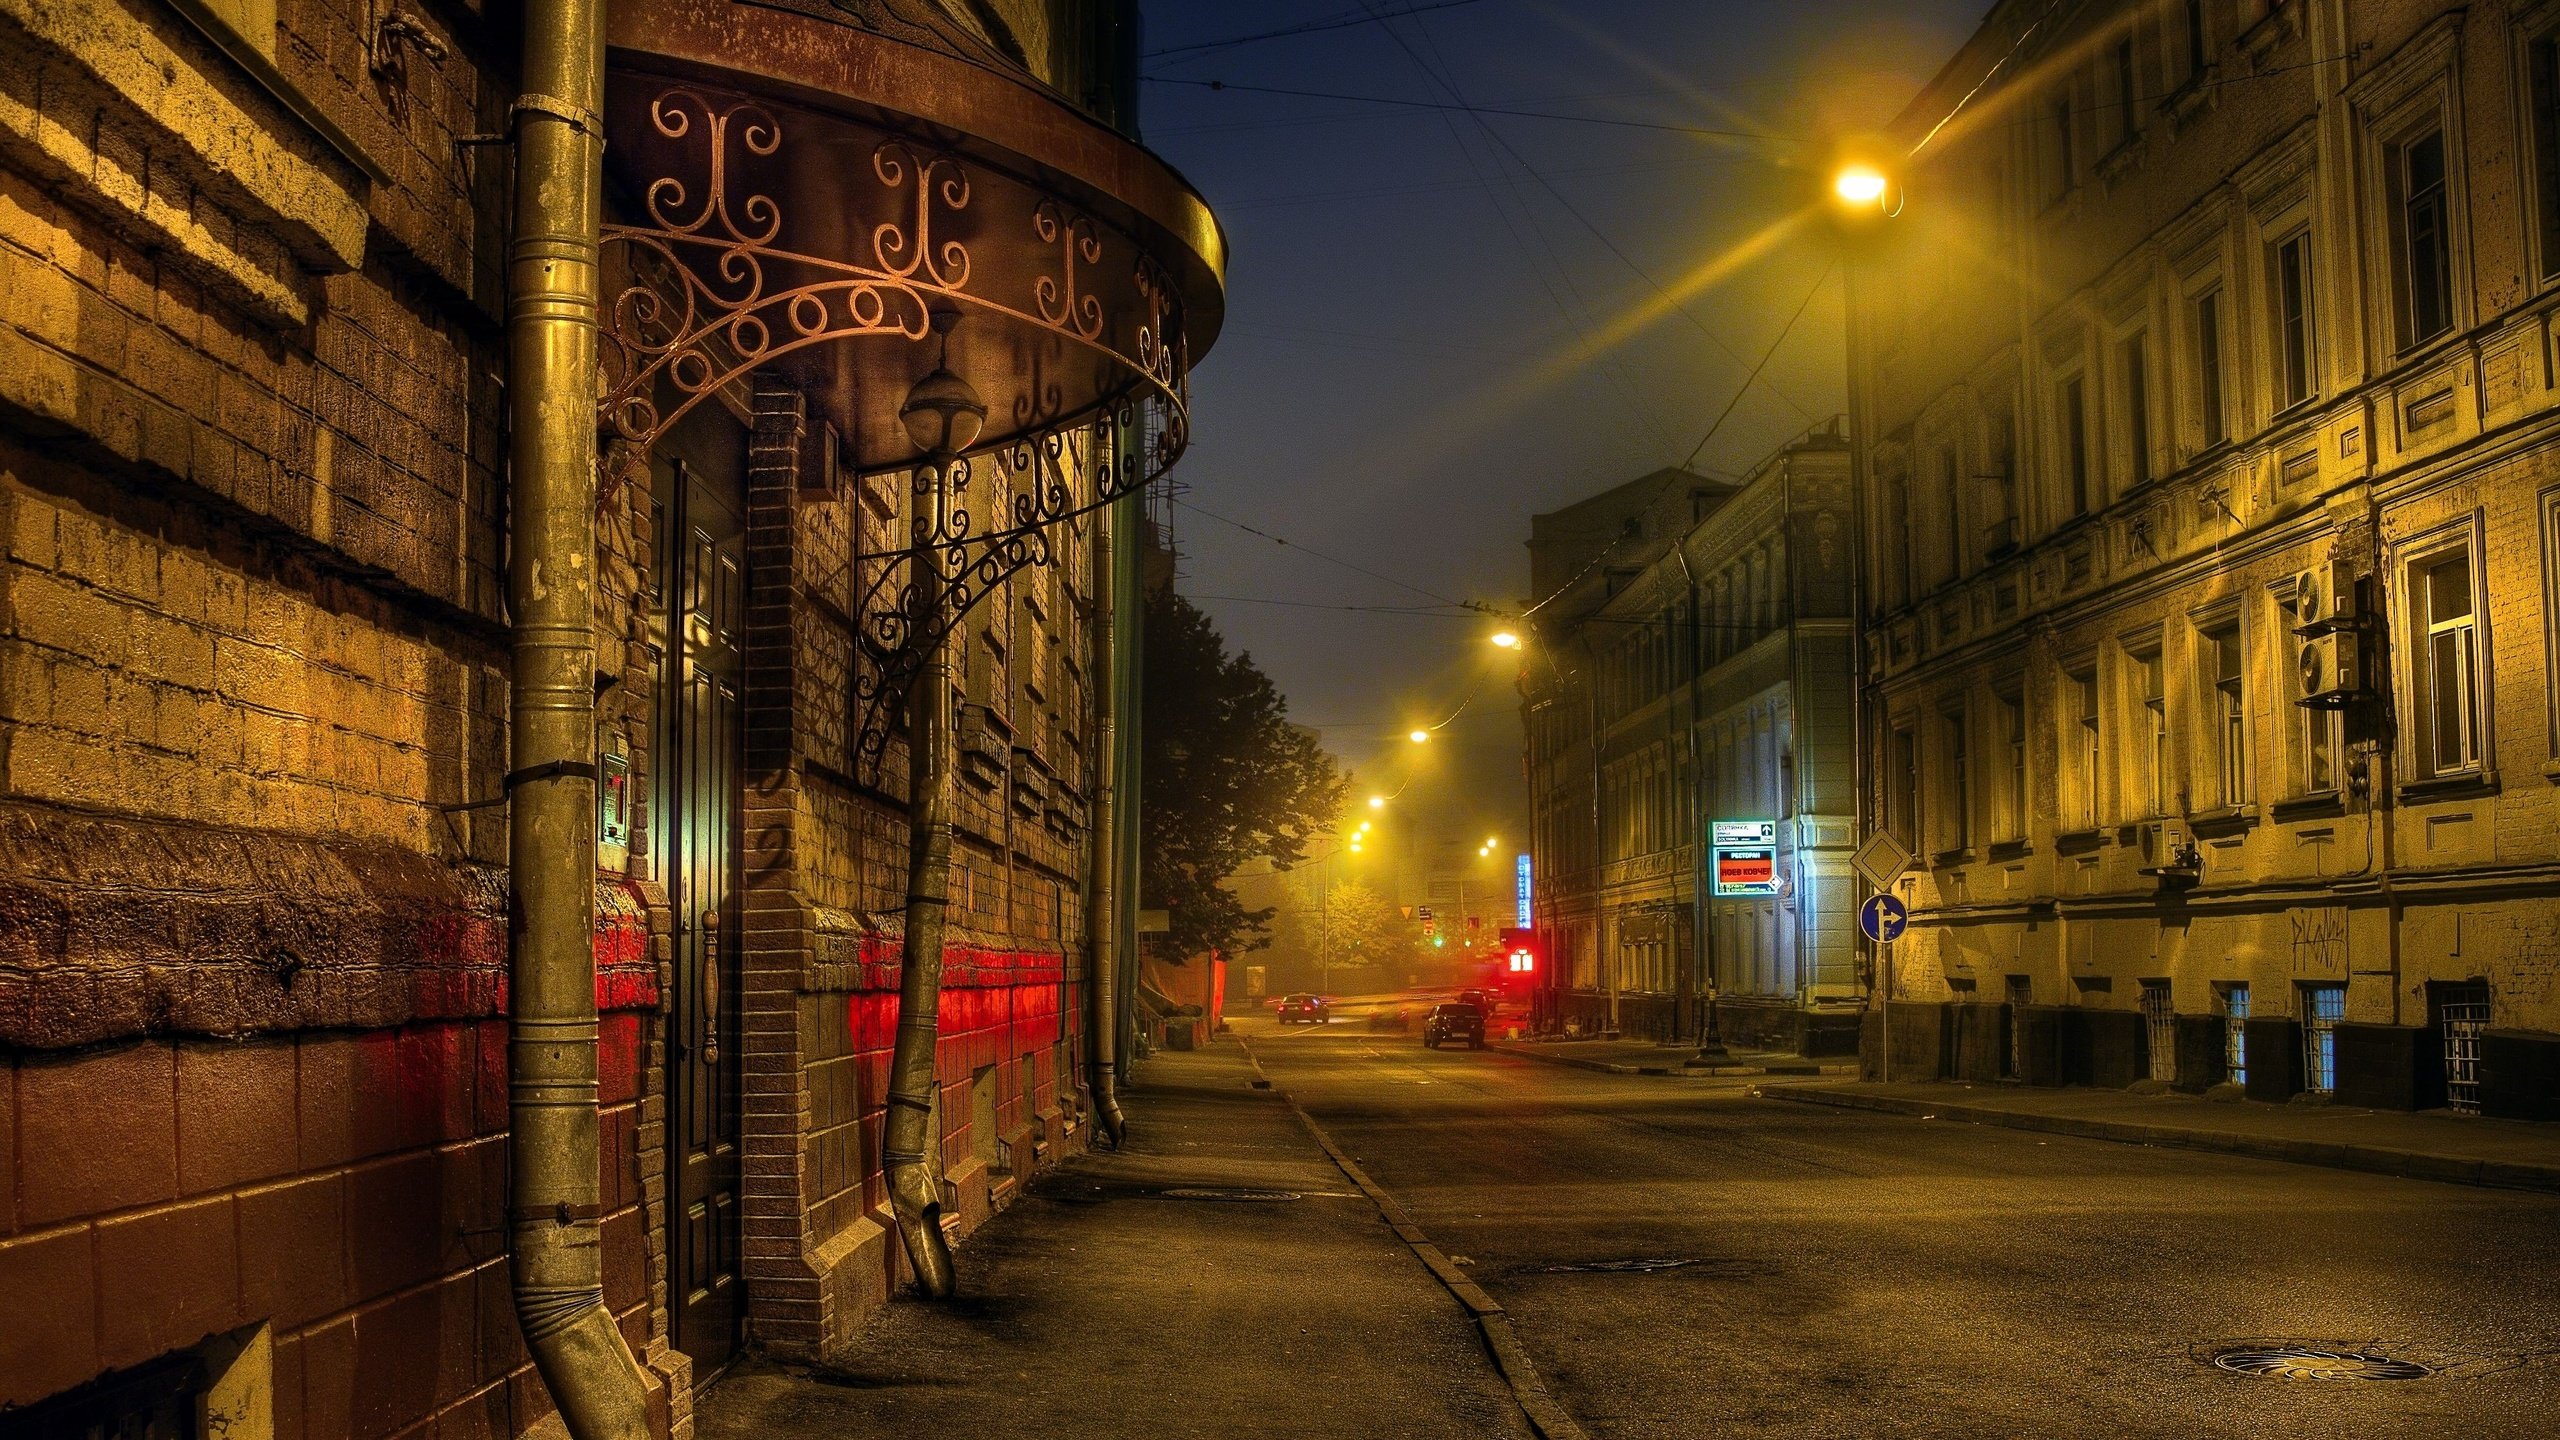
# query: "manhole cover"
1619,1267
1252,1197
2311,1362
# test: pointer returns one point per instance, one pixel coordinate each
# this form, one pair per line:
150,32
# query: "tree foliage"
1363,927
1224,779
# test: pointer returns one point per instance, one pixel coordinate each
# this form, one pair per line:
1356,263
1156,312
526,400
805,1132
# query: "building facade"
255,885
2204,387
1688,667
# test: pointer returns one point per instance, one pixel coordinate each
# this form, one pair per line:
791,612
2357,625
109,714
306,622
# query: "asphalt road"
1850,1274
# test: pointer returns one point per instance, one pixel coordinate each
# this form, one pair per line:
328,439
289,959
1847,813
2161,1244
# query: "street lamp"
1419,737
1505,639
1377,802
1859,184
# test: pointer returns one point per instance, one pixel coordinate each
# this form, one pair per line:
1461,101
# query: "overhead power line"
1765,357
1709,131
1329,559
1338,22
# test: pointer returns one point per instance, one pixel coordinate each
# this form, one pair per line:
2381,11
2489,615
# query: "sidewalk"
2460,1149
1101,1304
1651,1057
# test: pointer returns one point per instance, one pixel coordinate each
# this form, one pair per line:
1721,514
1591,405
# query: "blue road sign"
1883,918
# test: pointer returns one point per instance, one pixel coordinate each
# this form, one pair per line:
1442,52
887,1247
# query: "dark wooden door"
695,821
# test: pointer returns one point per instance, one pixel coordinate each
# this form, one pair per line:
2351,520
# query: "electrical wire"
1329,559
1462,107
1770,354
1339,22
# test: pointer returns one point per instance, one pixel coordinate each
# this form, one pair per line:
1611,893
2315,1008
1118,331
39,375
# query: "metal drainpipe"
553,1126
1128,655
1102,922
909,1150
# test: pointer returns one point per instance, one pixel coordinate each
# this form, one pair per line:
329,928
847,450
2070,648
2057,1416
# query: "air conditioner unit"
2169,848
2328,638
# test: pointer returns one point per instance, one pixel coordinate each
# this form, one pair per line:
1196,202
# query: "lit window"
2323,1006
2234,998
2448,664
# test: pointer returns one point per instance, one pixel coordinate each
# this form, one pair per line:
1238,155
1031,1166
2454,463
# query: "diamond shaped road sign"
1882,860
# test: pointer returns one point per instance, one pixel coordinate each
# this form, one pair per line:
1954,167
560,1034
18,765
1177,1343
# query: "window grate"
2462,1013
2323,1006
2160,1023
2235,1033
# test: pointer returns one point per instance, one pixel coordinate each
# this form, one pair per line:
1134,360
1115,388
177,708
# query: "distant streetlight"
1490,841
1419,737
1859,184
1377,802
1505,639
1355,847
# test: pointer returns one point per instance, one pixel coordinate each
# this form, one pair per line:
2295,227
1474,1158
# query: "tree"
1224,778
1362,927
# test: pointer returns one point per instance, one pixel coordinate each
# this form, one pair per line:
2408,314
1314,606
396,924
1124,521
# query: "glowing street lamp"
1859,184
1377,802
1419,737
1505,639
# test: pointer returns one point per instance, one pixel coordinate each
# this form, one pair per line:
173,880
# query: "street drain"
2312,1362
1249,1197
1618,1267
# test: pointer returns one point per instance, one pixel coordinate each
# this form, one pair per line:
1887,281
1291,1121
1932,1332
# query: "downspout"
1128,616
1102,919
555,1199
909,1149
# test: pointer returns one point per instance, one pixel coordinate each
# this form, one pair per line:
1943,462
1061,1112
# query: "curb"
1510,1358
1809,1068
2329,1154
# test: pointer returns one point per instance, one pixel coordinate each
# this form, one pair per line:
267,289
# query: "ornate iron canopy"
767,238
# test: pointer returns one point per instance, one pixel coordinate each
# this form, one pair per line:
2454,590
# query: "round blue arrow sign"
1883,918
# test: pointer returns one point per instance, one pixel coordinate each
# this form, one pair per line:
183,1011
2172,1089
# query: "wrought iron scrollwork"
715,289
1029,488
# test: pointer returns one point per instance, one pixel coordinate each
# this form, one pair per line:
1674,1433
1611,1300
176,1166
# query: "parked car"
1305,1010
1454,1021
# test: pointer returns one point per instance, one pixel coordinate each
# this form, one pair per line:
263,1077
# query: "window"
1956,809
2447,662
2208,332
2137,406
2195,38
2232,999
2150,685
1951,510
2323,1006
2063,167
1902,777
2221,651
2293,352
2425,258
2543,63
2013,721
2128,122
2088,744
2160,1030
2074,405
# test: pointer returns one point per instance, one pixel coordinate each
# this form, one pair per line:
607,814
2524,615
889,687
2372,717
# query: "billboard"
1523,920
1746,858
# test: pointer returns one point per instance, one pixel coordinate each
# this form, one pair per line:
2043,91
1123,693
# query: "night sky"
1426,343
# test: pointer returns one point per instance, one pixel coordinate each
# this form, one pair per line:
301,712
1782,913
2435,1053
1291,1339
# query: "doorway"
699,475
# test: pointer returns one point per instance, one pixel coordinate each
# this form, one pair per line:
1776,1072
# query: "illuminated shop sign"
1746,857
